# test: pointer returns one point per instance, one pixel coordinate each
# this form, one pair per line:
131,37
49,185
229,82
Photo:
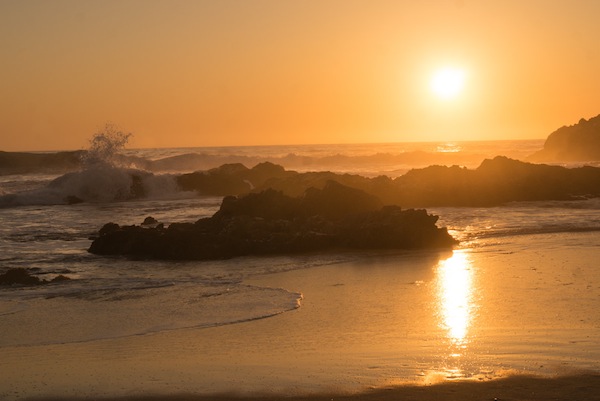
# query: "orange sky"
208,73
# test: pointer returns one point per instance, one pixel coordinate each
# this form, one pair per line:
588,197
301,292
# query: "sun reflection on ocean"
448,148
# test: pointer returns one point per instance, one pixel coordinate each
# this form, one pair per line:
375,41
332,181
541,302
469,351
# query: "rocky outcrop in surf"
495,182
335,217
578,142
21,277
231,179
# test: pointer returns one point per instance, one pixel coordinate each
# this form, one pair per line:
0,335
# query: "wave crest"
105,146
106,176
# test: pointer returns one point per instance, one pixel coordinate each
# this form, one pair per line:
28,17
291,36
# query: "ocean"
543,309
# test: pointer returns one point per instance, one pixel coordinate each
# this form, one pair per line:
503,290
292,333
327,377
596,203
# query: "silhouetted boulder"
336,201
269,222
230,179
108,228
269,204
393,228
20,276
60,278
579,142
149,221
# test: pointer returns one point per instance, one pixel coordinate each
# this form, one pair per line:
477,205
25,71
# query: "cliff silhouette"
578,142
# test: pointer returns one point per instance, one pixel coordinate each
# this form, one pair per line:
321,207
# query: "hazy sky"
246,72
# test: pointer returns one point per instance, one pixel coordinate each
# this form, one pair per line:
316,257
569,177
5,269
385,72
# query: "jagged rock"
60,278
20,276
230,179
108,228
494,182
270,222
336,201
150,221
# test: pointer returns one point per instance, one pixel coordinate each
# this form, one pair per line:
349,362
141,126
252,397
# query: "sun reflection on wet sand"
454,291
455,305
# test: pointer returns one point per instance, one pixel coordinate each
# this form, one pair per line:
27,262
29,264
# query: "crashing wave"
105,176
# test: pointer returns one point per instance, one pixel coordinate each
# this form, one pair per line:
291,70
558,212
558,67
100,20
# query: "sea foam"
105,176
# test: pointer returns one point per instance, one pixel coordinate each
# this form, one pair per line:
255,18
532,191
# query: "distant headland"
578,142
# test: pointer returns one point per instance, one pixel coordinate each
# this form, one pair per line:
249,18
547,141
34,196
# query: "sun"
447,83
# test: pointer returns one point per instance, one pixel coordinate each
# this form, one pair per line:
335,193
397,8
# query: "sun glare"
455,292
448,83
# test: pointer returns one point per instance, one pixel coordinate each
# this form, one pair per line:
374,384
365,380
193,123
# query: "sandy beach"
378,328
516,388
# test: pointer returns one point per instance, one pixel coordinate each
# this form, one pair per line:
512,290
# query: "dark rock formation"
150,221
20,276
495,182
269,222
230,179
579,142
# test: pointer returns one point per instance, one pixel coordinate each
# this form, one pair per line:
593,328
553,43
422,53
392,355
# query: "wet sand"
382,328
584,387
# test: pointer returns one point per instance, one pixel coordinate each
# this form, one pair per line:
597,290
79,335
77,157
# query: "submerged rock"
20,276
270,222
150,221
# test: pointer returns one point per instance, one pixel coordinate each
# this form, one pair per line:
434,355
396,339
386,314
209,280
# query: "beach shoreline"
371,329
582,386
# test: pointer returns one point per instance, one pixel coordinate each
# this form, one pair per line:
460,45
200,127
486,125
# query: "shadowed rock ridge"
266,223
21,277
495,182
